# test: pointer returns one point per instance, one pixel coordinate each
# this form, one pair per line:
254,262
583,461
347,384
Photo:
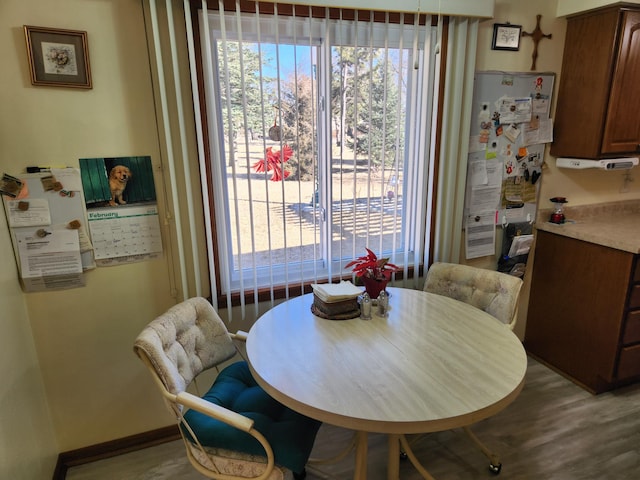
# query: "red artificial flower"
273,162
371,266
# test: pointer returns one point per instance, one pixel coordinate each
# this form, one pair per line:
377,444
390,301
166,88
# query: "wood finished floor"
553,430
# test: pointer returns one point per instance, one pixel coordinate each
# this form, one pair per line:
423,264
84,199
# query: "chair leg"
314,463
300,476
404,445
350,448
494,460
410,440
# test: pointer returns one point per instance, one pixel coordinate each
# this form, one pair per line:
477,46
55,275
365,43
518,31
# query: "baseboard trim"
112,448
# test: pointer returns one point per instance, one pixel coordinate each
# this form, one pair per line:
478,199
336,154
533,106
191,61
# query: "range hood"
623,163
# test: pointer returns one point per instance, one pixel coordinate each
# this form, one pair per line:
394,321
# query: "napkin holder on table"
336,301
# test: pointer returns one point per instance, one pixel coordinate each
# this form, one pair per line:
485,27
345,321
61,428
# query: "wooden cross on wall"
536,36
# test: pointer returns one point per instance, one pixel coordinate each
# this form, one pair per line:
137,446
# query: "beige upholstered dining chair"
236,430
494,292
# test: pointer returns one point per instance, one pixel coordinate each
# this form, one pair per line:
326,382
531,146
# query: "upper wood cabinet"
598,109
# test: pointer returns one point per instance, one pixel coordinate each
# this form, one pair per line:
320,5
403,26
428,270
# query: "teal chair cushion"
290,434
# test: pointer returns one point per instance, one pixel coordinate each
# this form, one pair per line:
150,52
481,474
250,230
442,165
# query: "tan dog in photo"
118,178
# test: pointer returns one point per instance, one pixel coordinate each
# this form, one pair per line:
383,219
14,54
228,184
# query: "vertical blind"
323,131
335,158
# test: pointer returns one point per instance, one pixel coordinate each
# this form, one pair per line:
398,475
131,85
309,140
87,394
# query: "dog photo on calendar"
119,176
118,182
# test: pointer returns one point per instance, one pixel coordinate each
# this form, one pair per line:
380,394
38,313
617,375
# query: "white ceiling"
569,7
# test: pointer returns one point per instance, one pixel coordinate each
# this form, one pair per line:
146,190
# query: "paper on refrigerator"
480,238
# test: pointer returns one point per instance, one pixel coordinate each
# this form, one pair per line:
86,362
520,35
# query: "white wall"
580,187
521,12
28,445
70,378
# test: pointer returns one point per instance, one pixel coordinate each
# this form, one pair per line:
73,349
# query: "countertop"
614,224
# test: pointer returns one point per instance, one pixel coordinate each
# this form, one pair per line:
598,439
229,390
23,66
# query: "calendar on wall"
122,211
123,232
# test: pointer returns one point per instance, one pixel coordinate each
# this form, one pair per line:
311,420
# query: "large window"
320,139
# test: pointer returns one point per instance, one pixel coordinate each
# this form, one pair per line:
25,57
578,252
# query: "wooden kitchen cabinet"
598,97
584,311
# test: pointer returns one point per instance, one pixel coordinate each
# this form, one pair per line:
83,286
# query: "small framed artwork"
506,36
58,57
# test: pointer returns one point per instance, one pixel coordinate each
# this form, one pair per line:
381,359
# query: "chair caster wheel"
403,455
495,469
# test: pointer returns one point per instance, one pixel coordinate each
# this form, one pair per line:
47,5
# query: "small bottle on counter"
383,303
365,306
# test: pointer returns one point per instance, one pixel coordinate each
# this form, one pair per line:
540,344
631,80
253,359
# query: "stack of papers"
336,292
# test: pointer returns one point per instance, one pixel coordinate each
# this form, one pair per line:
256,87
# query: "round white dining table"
431,364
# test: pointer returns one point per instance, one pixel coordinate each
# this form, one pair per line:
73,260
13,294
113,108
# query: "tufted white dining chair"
236,430
494,292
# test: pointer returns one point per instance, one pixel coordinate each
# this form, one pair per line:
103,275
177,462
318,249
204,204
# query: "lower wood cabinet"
584,311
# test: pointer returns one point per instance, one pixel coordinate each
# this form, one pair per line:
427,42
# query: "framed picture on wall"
506,36
58,57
